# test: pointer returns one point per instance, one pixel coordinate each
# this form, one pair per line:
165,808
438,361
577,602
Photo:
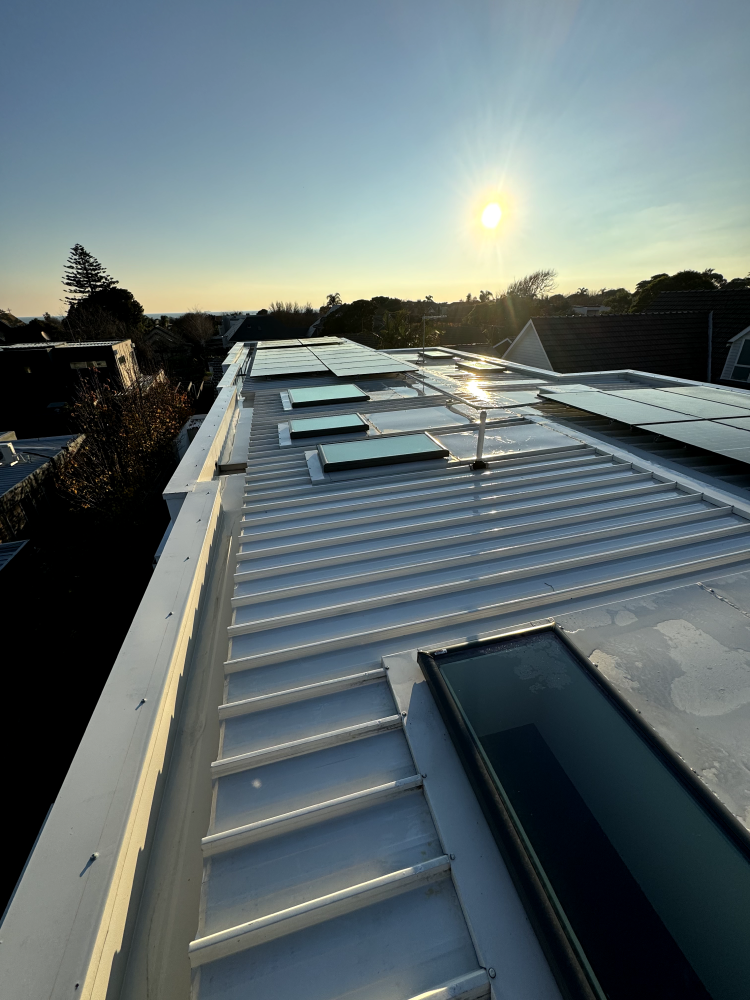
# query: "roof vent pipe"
478,463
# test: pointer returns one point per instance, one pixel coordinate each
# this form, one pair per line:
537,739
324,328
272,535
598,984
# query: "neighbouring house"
37,380
592,310
27,469
729,310
264,327
674,343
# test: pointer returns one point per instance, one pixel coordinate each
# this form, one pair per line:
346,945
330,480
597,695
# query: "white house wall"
527,349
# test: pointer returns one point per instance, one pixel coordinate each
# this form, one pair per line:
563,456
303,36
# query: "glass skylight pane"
322,394
648,872
312,426
422,418
379,451
515,438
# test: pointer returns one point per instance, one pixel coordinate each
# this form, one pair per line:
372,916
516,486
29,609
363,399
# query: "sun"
491,215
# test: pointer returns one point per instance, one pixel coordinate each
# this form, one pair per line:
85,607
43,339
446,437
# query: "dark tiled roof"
667,344
731,309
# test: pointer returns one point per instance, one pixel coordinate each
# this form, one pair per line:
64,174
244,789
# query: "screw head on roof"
491,973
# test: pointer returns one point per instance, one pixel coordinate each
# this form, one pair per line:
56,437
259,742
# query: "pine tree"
84,275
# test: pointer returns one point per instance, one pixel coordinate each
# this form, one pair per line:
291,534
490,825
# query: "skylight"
327,394
379,451
624,857
313,426
417,418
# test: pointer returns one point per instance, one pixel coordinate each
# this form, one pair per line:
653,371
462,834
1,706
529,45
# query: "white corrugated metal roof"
323,857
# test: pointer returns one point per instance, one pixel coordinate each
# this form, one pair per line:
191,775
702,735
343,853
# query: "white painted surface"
527,349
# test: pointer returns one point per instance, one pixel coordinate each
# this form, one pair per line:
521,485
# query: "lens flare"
491,215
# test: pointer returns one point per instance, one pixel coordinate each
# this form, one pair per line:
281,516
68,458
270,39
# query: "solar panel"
741,399
716,436
317,354
742,422
616,408
519,398
573,387
705,409
379,451
292,361
479,366
327,394
313,426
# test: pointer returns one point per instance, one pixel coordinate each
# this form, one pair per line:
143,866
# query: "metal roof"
313,792
8,550
319,809
33,453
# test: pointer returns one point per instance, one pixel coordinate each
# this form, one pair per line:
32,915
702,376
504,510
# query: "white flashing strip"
292,695
241,836
474,986
275,925
256,758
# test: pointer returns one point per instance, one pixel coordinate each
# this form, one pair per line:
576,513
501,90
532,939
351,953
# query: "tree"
195,327
84,275
647,290
399,331
334,299
108,314
533,285
128,447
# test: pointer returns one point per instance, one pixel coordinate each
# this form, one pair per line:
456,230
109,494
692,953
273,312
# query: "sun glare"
491,215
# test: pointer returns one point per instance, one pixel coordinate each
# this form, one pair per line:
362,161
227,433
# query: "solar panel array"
717,420
324,354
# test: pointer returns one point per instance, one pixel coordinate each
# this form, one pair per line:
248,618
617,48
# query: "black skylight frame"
566,957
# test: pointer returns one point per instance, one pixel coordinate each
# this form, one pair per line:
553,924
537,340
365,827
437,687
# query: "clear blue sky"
225,154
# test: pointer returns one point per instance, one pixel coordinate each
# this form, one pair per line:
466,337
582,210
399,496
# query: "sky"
226,154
